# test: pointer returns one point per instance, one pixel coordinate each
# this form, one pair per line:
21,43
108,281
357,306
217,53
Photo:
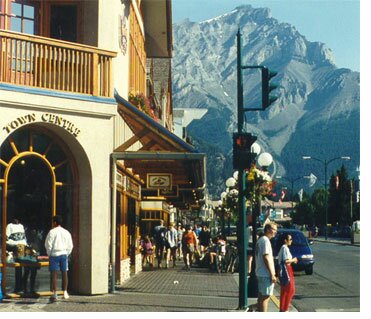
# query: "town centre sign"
45,117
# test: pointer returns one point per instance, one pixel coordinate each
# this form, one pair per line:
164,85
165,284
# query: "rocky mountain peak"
313,93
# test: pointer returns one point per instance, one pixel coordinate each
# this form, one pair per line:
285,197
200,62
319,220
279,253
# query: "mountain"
318,110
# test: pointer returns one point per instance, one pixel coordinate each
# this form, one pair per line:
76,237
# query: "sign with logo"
159,180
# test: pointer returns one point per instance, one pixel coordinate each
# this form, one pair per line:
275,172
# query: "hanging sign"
159,180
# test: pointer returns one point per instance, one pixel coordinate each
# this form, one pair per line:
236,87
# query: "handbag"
284,274
25,254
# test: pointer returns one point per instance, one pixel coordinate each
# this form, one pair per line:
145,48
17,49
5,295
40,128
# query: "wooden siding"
137,73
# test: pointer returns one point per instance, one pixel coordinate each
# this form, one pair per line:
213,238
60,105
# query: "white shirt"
284,254
172,237
58,242
15,234
263,247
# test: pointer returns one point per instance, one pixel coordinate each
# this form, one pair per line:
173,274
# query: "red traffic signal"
242,156
243,141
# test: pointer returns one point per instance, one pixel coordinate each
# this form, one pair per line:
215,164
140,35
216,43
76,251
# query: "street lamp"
325,163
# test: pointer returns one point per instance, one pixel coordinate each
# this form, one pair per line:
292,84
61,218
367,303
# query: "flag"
337,182
300,193
312,179
283,194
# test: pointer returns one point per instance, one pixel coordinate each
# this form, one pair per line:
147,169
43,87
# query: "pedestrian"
204,238
197,230
16,241
189,244
147,251
58,245
180,231
285,260
171,237
265,271
159,237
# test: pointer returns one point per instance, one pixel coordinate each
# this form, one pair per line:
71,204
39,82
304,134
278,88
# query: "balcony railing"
53,64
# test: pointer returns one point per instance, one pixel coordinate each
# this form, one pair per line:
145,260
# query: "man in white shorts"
265,271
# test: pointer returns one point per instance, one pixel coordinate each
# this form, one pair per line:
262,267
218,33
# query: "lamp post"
264,161
243,158
325,163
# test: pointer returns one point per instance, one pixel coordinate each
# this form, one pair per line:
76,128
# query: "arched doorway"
37,179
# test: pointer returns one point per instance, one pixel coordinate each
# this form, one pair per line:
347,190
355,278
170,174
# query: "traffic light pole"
242,229
241,233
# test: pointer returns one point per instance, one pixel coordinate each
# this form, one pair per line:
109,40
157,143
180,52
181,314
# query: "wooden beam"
149,146
135,138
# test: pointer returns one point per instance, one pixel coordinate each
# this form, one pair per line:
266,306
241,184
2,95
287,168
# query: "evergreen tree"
339,198
304,212
319,206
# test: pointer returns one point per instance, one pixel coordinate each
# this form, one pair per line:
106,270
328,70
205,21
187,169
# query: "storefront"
37,169
128,195
171,171
48,166
153,210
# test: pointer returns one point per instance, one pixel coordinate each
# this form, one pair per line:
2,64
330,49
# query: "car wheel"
309,270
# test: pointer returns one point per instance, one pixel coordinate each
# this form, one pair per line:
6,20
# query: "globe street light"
264,160
325,163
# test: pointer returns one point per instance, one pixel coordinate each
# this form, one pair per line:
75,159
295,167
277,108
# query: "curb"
337,242
276,301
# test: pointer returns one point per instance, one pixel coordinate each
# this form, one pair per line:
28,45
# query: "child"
147,251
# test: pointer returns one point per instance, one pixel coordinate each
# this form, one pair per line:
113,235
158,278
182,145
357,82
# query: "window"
19,16
22,18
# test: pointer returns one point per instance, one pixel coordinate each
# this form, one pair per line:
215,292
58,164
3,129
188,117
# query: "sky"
333,22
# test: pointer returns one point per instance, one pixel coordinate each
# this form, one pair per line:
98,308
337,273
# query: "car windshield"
298,239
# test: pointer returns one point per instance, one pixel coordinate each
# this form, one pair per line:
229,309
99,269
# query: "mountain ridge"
314,95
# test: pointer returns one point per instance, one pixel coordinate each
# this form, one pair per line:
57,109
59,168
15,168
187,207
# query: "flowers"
140,101
258,183
143,103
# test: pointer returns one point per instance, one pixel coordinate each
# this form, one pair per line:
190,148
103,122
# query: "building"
86,121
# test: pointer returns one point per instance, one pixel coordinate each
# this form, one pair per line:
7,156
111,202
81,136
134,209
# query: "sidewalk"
157,290
338,241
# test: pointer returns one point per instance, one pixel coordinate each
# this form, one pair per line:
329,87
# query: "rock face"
318,110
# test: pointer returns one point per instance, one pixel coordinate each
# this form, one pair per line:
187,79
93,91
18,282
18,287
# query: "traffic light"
242,156
267,87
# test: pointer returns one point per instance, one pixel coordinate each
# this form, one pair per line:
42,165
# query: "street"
335,283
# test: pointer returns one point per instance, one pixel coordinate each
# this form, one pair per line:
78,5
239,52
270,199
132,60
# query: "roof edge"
159,127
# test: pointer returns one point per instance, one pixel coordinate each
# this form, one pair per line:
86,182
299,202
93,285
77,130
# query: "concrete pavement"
157,290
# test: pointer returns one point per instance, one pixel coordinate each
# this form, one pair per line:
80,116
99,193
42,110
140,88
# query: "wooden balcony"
53,64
